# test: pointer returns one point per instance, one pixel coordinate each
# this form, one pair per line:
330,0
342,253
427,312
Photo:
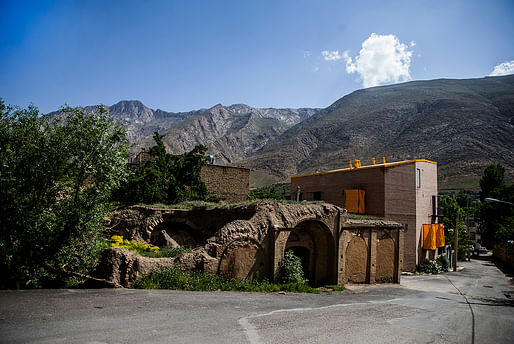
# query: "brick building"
231,184
404,191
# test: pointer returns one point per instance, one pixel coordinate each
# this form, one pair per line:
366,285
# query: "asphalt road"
474,305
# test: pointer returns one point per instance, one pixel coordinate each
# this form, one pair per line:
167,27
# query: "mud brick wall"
231,184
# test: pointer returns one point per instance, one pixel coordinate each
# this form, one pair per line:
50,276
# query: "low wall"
505,253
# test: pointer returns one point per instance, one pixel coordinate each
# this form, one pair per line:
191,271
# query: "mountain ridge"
463,124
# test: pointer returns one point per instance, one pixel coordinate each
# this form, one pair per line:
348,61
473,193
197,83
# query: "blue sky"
185,55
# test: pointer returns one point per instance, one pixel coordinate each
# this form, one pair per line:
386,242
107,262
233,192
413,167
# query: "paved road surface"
471,306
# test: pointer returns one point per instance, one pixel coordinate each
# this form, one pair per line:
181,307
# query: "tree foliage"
493,178
496,219
450,208
167,178
56,176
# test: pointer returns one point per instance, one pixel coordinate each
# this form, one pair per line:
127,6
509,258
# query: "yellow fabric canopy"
439,235
433,236
429,237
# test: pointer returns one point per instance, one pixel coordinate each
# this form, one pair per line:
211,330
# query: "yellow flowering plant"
137,247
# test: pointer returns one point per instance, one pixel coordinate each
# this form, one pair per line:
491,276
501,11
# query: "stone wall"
249,241
231,184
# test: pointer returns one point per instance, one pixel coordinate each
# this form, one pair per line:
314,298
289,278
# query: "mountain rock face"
464,125
231,133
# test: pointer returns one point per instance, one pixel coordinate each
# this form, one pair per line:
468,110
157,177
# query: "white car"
482,250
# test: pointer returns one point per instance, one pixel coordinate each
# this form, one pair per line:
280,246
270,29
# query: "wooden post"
456,248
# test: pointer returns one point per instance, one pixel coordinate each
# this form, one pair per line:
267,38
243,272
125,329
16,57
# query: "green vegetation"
335,287
147,250
496,218
441,264
178,279
450,206
56,177
167,178
291,270
276,191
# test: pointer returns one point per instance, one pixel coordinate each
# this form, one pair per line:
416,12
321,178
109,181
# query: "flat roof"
387,164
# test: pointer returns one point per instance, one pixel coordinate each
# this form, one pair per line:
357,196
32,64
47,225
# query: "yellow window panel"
362,202
352,201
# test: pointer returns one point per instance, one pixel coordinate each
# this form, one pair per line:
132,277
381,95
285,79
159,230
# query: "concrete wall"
231,184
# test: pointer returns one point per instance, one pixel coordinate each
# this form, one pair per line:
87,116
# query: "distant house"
404,191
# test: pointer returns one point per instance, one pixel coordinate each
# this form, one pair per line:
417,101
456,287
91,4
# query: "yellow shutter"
352,201
362,202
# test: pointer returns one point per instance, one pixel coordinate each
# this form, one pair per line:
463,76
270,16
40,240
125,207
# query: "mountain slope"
231,133
462,124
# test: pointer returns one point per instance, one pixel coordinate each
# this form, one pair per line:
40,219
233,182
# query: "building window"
418,178
355,201
317,196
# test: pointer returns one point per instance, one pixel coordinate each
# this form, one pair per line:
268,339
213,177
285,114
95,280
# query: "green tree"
493,178
56,176
450,208
167,178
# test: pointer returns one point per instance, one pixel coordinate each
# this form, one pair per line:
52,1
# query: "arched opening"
176,234
313,242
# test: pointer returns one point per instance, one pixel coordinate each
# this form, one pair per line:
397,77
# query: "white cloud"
505,68
331,55
382,59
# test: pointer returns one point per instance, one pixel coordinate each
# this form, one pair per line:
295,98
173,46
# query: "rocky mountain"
231,133
464,125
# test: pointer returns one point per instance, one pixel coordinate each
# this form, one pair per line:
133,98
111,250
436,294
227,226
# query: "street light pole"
456,242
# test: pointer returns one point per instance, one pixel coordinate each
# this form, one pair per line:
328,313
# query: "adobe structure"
230,184
405,192
250,240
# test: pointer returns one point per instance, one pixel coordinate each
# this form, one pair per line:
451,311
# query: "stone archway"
313,242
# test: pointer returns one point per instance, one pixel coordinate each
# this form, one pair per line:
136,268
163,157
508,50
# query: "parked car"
482,250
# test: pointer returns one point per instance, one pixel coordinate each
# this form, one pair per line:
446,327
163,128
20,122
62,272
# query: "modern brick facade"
404,191
231,184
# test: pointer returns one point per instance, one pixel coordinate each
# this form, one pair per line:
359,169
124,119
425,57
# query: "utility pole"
456,248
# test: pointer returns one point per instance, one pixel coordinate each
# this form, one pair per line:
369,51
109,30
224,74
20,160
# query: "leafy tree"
497,219
56,176
493,178
451,207
167,178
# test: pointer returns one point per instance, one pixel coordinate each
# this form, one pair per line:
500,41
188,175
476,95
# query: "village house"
404,191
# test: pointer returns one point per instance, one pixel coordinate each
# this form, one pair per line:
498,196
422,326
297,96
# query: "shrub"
444,263
291,270
178,279
441,264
